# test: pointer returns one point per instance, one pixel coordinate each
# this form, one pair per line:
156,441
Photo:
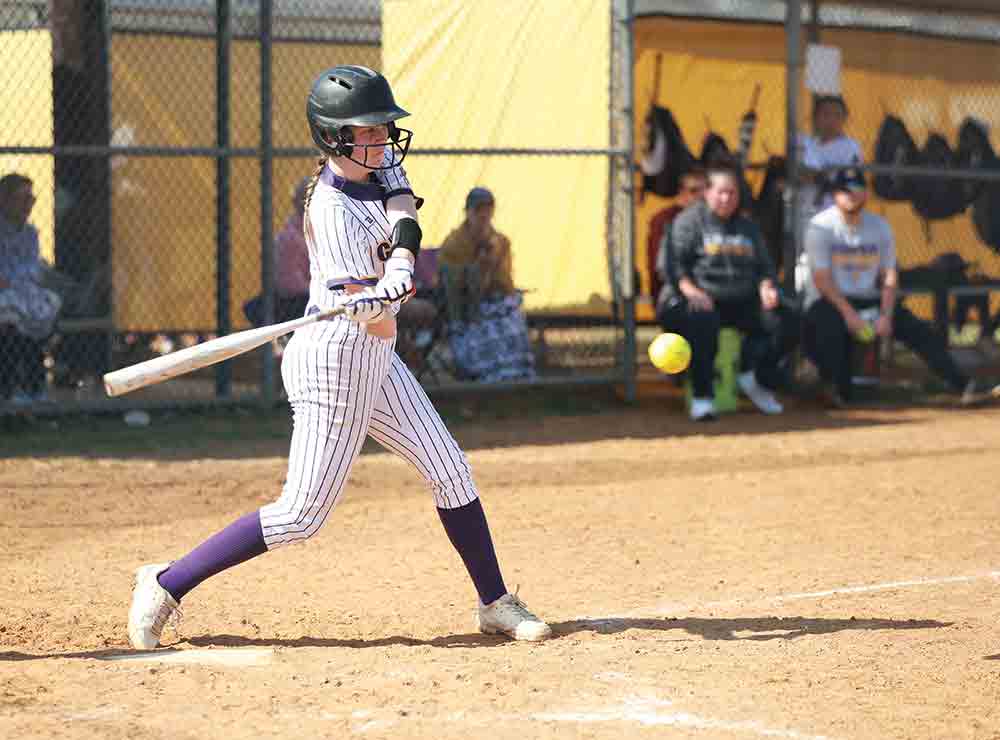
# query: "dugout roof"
989,7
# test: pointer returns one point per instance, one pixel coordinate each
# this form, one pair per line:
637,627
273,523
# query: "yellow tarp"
164,211
526,73
522,73
709,70
26,88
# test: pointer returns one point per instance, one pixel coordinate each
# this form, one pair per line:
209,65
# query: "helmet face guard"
370,156
347,97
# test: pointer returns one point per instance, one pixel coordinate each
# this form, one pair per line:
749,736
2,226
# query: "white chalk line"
224,657
648,711
675,608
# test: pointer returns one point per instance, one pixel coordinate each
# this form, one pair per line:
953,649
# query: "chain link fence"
918,100
910,95
161,145
157,146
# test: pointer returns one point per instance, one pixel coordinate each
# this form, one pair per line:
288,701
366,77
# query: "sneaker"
509,616
806,372
976,392
703,409
762,398
151,608
831,397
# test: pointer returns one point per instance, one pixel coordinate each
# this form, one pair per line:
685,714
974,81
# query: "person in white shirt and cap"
828,147
851,295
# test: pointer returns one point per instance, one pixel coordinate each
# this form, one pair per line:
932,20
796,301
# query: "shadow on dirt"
740,628
743,628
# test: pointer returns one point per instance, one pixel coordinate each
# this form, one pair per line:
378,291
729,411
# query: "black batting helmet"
349,95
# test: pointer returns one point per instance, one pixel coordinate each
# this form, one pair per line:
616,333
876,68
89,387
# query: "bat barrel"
201,355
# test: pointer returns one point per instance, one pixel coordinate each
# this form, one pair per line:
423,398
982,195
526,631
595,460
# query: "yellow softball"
671,353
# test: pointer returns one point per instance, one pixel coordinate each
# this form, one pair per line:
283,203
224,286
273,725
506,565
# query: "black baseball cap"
477,197
852,180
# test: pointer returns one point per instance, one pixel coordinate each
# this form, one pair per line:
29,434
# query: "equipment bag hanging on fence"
986,210
894,146
667,156
769,209
974,152
936,198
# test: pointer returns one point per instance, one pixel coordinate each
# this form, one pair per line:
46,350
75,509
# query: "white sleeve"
808,153
887,254
818,246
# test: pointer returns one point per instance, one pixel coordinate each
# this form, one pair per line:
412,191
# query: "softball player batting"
342,376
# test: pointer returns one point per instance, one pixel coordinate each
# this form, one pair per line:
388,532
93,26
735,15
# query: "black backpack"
714,149
769,209
662,174
894,146
936,198
974,152
986,210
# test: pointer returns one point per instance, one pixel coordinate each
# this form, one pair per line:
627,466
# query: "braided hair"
310,188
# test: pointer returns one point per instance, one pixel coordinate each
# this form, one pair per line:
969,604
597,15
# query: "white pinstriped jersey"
345,226
345,384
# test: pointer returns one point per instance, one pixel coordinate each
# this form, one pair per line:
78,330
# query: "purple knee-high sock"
470,534
237,543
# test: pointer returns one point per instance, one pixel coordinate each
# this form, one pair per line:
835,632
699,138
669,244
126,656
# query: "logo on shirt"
855,262
731,245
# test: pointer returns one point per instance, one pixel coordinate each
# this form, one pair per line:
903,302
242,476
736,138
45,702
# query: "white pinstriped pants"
344,384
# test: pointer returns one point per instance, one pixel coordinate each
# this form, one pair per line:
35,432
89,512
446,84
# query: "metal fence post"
267,265
223,252
793,63
628,278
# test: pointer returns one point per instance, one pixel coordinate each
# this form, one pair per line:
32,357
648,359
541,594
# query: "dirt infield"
800,577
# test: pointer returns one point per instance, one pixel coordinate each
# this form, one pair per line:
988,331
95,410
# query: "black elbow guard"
406,234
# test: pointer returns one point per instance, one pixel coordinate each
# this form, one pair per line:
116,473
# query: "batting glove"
397,282
364,307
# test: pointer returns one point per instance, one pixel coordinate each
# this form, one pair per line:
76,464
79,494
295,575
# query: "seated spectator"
829,146
852,271
27,310
692,190
291,274
488,331
724,278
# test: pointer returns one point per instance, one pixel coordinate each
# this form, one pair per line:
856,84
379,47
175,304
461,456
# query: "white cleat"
762,398
509,616
976,392
703,409
151,608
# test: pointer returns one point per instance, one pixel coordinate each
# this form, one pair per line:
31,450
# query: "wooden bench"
91,324
541,322
75,326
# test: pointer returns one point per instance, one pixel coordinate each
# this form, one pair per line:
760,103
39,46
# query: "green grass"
169,432
250,431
